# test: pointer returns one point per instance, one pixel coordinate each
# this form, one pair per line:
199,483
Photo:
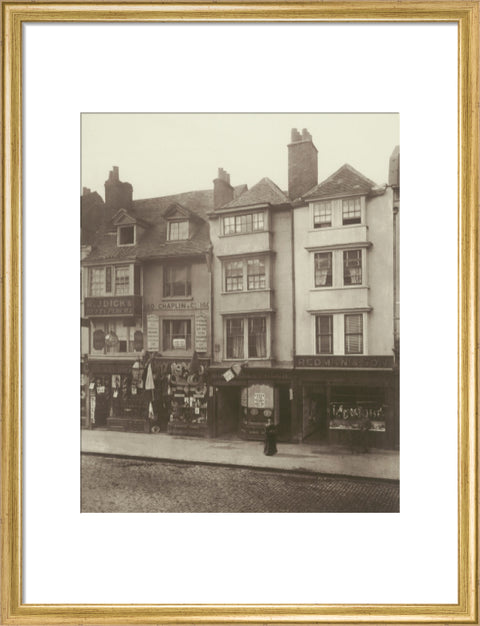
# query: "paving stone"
112,484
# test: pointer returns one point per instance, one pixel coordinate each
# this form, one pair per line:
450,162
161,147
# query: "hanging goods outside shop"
187,398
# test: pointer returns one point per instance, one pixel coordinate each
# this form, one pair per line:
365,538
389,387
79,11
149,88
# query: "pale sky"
162,153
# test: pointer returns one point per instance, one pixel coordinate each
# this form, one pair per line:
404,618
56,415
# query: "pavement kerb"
295,458
257,468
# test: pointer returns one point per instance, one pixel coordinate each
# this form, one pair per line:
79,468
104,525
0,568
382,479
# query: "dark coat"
270,447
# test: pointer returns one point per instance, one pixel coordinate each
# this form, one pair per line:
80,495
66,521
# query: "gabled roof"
346,181
176,211
264,192
152,243
124,218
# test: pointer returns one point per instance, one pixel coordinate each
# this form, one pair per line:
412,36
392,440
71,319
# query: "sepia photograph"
240,312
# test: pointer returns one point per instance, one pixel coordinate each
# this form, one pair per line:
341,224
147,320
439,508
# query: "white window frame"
178,222
246,319
177,319
244,261
119,229
362,316
327,204
238,217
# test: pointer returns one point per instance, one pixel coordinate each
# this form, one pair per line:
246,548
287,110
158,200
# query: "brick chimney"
118,195
222,190
302,164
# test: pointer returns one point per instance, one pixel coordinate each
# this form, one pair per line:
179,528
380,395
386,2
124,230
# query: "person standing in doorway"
270,447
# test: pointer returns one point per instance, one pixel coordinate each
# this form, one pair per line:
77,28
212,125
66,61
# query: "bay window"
244,223
245,273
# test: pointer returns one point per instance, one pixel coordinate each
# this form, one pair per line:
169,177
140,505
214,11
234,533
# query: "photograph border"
466,16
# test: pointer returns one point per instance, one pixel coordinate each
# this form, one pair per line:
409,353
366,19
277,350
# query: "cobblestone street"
112,484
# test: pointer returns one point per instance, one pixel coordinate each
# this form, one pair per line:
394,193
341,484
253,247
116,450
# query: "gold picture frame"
466,15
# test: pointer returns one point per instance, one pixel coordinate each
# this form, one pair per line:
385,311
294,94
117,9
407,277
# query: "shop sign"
112,306
153,333
181,305
361,361
260,397
179,344
259,400
228,375
201,325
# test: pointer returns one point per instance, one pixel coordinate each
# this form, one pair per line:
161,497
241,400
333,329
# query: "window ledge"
340,287
341,227
233,293
170,298
253,232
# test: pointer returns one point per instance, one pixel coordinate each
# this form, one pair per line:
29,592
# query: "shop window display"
187,398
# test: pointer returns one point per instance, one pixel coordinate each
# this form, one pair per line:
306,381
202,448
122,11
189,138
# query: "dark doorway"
227,410
285,412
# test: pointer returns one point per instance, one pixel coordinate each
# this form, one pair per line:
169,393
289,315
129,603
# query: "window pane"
352,267
97,281
256,274
257,337
176,281
323,269
353,334
228,225
351,211
258,221
324,326
177,334
234,276
126,235
178,230
322,215
235,338
122,276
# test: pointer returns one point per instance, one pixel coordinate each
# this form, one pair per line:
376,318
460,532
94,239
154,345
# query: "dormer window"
126,235
177,230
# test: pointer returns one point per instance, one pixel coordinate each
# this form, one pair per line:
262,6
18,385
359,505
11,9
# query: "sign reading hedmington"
361,361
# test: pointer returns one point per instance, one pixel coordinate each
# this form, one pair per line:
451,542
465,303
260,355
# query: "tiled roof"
152,242
264,192
346,181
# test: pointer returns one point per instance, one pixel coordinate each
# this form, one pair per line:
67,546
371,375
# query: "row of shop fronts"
318,401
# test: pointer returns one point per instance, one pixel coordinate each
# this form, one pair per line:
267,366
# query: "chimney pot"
295,136
302,164
222,190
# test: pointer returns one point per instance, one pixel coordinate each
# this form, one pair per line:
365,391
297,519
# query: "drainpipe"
293,406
